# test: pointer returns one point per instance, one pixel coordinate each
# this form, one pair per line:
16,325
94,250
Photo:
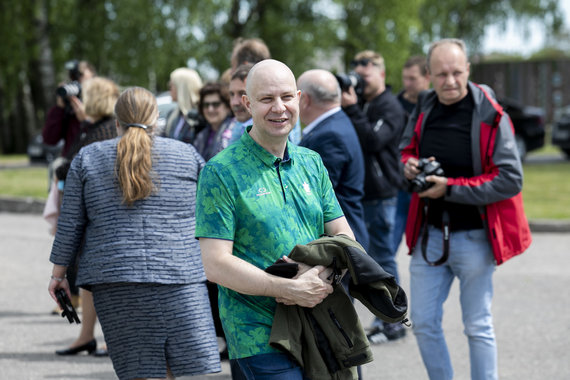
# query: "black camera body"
427,168
66,306
352,79
72,88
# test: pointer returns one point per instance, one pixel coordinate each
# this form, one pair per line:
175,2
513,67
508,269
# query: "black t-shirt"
447,137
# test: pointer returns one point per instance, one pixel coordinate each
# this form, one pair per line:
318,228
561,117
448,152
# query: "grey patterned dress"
141,259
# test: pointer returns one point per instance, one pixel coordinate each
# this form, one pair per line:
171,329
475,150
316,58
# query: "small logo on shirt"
306,187
262,191
378,125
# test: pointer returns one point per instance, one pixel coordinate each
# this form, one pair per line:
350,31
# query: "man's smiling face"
273,101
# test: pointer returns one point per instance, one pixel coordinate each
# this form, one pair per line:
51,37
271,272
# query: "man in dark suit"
329,132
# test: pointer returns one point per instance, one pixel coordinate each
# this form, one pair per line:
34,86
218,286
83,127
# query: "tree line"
139,42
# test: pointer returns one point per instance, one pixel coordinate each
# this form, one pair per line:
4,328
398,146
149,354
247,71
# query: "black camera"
69,89
72,88
426,168
66,306
352,79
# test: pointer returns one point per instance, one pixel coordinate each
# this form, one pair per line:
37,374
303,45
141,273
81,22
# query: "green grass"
12,159
545,191
24,182
547,150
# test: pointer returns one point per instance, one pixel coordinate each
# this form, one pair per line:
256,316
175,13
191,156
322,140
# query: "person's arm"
57,281
70,228
78,108
383,128
53,126
339,226
227,270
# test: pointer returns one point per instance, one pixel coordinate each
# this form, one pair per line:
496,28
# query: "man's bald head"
321,86
268,68
320,93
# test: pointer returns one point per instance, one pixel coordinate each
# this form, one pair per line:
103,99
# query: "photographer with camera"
63,120
474,219
378,119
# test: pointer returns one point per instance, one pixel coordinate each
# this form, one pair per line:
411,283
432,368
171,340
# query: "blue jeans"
379,216
402,206
471,261
269,367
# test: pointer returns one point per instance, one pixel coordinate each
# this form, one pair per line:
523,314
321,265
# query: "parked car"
165,105
40,153
528,122
561,130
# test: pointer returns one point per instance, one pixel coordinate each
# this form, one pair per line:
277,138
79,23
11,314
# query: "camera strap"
425,237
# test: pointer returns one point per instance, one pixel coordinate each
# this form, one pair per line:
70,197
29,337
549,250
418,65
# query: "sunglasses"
207,105
360,62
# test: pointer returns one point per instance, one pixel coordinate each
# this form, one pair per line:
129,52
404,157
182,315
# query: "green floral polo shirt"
266,206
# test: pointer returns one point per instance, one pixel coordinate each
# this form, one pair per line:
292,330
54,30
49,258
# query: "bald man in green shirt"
257,199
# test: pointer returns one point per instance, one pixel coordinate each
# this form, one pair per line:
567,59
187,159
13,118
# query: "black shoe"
394,331
90,347
376,336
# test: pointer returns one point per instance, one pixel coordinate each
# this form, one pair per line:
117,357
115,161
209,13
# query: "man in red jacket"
471,218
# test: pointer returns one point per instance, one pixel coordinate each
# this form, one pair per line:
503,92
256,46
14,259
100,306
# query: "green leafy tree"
385,26
139,42
467,19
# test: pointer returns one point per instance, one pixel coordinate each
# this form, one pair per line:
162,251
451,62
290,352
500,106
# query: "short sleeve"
330,205
215,210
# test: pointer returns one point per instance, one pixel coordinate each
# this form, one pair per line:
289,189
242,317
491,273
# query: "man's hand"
78,108
59,101
307,290
349,97
411,168
324,275
58,281
436,191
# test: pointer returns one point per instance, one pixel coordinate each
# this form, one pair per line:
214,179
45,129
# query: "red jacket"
496,186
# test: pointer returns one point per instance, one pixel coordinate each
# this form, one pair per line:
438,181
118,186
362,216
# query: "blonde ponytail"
136,109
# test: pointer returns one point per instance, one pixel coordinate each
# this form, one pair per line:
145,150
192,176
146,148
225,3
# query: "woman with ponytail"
132,200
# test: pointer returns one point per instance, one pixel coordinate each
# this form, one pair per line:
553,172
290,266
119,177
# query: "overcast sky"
512,40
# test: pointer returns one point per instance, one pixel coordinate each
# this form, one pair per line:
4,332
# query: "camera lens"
69,89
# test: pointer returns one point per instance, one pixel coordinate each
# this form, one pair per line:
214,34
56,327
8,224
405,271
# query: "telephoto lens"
352,79
69,89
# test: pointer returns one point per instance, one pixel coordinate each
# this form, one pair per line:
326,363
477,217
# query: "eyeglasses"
207,105
360,62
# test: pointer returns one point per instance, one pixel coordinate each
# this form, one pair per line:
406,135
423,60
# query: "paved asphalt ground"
531,308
